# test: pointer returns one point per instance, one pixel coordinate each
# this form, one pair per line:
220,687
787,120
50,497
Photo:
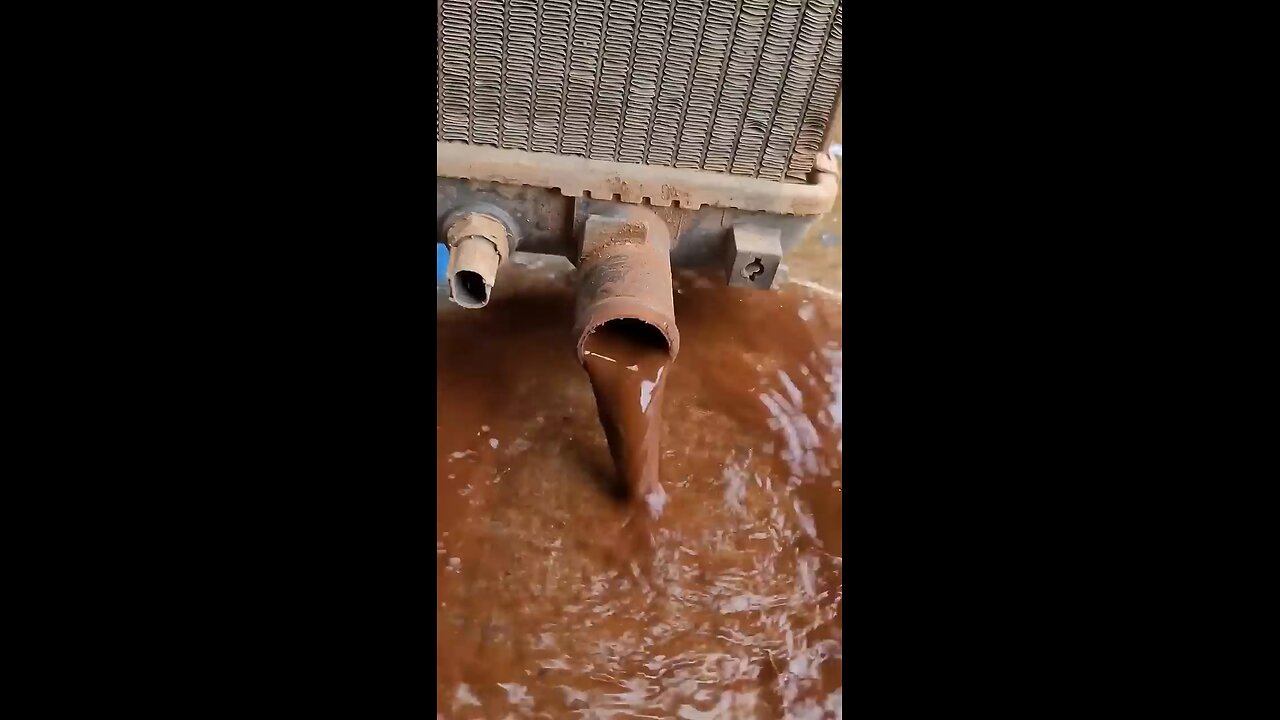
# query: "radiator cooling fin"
745,87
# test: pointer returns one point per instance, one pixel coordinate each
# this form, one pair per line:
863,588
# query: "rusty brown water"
732,608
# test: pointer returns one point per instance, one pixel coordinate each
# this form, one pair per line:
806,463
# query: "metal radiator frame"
639,184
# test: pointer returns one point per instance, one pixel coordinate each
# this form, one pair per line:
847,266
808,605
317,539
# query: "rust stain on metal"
626,273
603,234
607,271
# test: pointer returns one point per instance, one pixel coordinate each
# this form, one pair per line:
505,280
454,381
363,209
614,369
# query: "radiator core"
746,87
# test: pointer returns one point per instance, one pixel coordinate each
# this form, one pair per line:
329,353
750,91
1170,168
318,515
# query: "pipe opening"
469,289
634,332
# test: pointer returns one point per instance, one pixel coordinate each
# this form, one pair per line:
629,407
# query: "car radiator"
716,115
746,87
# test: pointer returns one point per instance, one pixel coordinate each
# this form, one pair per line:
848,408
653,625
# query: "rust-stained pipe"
626,329
625,272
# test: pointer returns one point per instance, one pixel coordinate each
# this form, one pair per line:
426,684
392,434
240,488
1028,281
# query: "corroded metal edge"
637,184
625,273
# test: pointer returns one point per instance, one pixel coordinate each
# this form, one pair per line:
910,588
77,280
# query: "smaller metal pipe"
478,244
473,270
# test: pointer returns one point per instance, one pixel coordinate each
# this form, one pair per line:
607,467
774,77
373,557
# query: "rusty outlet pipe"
625,273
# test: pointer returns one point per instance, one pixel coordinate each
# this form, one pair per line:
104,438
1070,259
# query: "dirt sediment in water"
734,609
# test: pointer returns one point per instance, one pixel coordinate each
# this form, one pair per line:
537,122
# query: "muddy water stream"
626,361
731,607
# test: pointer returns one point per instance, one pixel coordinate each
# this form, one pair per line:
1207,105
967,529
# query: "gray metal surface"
746,87
752,256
